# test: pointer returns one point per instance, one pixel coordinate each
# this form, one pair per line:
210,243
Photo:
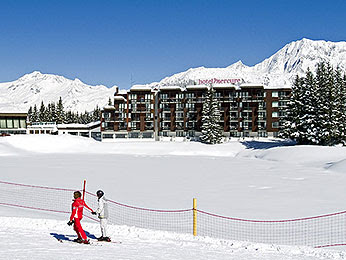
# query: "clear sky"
110,42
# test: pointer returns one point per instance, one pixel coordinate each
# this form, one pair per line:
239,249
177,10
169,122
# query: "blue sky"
108,42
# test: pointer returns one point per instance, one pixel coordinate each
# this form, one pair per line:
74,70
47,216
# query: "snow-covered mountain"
35,87
276,71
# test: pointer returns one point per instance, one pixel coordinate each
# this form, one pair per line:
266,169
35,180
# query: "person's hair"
77,194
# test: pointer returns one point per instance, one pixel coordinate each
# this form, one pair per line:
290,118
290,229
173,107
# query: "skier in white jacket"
102,213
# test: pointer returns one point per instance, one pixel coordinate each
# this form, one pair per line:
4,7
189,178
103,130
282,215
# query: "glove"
70,222
94,213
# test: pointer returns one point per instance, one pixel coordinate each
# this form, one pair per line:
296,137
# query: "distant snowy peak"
35,87
276,71
297,56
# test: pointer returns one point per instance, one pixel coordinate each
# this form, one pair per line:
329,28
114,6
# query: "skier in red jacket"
77,215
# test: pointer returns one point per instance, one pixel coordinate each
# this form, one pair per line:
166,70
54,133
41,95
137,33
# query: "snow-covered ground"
253,179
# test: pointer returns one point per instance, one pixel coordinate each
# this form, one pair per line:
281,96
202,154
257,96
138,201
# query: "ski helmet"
99,193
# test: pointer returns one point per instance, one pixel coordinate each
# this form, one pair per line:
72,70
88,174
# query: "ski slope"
254,179
23,238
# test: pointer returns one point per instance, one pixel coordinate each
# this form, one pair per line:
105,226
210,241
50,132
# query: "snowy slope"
35,87
276,71
37,239
255,179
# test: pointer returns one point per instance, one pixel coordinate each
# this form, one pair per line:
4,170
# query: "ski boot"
107,239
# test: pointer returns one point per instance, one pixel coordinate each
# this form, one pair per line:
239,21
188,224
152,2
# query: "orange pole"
84,184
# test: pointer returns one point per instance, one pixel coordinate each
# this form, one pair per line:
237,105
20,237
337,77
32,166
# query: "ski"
71,241
114,242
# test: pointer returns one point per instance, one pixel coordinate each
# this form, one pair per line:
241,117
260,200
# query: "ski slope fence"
318,231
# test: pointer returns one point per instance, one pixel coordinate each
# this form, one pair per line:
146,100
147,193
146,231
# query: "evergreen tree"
30,114
211,130
49,113
35,114
42,113
60,113
96,114
316,111
110,102
295,110
53,112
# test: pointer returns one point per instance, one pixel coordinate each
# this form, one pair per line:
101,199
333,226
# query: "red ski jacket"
77,209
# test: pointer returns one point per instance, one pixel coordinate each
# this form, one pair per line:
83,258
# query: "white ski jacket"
102,211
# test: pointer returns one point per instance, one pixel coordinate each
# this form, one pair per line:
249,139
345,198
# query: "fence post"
84,183
194,217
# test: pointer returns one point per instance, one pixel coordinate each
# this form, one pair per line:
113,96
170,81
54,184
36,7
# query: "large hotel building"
247,110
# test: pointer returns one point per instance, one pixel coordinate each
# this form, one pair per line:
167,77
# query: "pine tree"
211,130
30,114
60,113
316,111
49,113
96,114
294,112
42,113
109,101
53,112
35,114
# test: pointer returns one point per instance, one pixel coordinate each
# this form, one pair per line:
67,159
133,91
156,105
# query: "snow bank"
306,154
75,144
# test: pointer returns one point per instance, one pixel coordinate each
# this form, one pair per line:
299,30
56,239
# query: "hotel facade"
247,110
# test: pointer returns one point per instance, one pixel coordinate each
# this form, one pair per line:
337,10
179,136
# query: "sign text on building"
218,81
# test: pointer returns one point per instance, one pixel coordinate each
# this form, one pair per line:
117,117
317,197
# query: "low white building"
42,128
91,130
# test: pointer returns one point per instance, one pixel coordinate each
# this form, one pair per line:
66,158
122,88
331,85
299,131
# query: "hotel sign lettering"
218,81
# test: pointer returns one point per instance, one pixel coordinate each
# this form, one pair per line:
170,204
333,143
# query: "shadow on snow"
70,237
261,145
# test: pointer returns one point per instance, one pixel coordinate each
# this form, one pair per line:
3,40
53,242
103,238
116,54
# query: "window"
275,94
190,95
147,135
22,123
180,134
163,96
275,104
9,123
261,115
191,106
2,123
283,103
275,114
108,136
275,124
15,123
179,106
179,96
